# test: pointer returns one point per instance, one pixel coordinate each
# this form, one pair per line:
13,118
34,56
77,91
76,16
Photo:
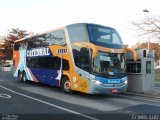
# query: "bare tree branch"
149,26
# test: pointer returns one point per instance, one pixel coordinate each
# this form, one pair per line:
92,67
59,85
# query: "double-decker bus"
83,57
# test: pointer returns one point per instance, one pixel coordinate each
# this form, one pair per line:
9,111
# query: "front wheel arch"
66,85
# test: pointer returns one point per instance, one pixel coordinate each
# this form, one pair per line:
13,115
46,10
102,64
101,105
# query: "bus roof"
88,24
32,35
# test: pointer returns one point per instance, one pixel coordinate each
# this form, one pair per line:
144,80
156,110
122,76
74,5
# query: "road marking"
5,96
50,104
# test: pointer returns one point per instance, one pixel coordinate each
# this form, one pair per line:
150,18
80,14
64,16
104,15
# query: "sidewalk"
157,84
155,93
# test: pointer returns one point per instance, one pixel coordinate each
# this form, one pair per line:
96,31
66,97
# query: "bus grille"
114,85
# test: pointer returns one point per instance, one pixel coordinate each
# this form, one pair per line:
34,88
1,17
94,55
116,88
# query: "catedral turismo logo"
38,52
113,81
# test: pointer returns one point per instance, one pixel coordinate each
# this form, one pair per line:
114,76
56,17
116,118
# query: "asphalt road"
21,101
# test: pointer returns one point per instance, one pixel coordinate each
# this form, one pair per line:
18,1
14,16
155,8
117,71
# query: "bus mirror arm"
135,56
64,45
88,45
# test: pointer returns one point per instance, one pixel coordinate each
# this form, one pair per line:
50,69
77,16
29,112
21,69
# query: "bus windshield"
109,65
104,36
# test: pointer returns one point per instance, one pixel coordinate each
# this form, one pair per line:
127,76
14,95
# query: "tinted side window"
77,33
56,38
47,63
32,62
38,41
134,67
65,64
57,63
81,57
44,40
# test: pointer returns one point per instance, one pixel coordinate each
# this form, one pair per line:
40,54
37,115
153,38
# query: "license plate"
114,91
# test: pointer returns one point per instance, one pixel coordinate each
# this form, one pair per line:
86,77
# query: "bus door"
82,61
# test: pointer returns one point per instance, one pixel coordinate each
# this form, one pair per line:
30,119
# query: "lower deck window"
47,63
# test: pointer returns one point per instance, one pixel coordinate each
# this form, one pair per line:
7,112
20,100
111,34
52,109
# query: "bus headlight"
97,82
126,81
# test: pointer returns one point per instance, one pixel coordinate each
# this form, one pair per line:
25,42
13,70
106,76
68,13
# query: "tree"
1,55
149,27
13,35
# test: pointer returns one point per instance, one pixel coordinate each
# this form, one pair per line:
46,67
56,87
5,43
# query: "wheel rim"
67,85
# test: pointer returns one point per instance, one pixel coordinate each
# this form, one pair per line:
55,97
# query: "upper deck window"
51,38
77,33
104,36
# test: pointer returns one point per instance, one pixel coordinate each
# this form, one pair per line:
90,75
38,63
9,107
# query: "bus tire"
24,78
66,85
20,76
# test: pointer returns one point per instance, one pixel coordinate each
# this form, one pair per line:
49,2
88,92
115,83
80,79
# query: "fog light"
126,82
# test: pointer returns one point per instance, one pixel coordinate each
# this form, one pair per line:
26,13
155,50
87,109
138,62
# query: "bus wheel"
66,85
20,76
24,78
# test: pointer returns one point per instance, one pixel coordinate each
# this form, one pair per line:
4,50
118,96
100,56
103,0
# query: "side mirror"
135,56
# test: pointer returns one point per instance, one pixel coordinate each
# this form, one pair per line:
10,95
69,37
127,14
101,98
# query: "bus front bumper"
102,89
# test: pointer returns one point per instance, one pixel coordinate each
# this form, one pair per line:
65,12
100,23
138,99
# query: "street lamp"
147,11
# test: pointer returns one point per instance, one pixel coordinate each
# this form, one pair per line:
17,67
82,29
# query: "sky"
42,15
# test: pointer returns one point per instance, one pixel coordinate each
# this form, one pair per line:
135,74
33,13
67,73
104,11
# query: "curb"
147,94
